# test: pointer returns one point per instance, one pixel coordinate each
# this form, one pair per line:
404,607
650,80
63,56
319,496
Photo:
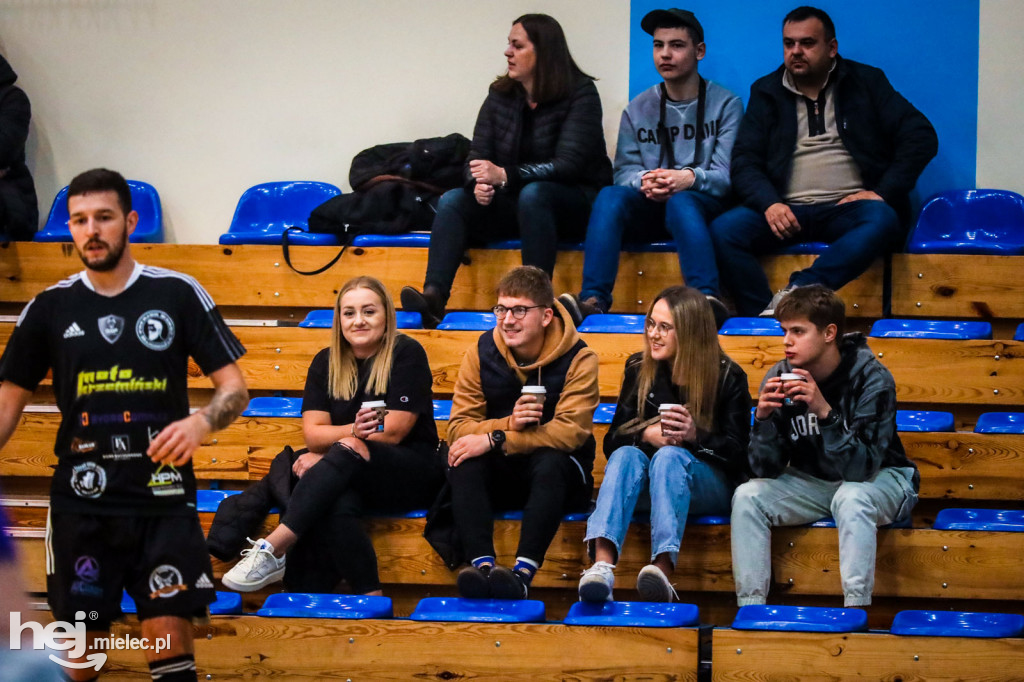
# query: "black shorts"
161,561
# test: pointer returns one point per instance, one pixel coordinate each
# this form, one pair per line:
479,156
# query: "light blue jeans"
795,498
678,482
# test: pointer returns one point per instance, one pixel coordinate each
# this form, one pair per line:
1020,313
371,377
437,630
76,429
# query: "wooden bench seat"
761,655
957,286
255,275
954,466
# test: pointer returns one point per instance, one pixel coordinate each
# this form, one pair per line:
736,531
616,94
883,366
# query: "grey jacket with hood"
857,440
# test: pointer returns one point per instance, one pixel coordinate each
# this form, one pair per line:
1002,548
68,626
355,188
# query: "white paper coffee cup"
789,376
665,407
540,392
381,408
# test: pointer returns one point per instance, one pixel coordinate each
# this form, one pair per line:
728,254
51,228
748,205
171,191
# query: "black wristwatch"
498,439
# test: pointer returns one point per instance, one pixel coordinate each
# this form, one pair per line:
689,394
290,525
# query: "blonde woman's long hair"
343,374
697,364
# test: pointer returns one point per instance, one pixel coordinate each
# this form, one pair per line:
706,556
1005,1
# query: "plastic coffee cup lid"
667,406
374,404
535,389
791,376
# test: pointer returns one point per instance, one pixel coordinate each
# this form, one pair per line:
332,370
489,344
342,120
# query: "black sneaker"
720,311
428,304
507,584
572,305
473,584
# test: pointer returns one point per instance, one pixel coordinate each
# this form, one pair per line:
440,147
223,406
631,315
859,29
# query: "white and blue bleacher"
316,605
265,211
145,202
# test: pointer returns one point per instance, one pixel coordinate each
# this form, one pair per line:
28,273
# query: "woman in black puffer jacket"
537,161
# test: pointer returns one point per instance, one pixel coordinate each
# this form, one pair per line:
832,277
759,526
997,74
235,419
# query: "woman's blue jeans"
678,483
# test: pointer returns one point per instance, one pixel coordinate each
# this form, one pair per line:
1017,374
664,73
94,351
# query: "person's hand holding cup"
788,379
529,408
677,425
370,418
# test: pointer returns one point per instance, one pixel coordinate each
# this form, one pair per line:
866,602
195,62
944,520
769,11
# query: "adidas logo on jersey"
203,582
73,330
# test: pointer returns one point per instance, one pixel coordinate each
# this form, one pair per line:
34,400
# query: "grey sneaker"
597,582
652,585
257,569
776,299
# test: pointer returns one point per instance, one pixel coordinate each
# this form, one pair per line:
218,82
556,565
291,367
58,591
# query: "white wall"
1000,95
204,98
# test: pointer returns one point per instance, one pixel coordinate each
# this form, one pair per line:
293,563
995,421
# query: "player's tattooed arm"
178,440
227,403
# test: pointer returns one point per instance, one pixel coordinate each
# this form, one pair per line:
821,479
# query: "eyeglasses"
518,311
662,327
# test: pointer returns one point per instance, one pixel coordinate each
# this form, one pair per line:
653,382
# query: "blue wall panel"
927,48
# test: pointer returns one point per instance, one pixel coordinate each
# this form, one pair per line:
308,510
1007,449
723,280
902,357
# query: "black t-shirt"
120,375
410,387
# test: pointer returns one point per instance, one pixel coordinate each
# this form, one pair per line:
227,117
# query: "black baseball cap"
658,17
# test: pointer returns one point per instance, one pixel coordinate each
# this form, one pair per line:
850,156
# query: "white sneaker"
257,569
776,299
652,585
597,582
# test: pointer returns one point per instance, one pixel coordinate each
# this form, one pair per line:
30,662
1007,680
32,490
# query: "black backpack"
396,187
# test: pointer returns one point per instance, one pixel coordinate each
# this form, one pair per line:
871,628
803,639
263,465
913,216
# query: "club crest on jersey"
111,327
88,480
165,581
155,329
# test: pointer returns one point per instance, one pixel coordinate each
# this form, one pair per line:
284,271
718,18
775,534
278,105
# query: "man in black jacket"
827,151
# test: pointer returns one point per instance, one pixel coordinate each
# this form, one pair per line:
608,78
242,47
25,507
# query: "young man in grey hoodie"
671,168
823,443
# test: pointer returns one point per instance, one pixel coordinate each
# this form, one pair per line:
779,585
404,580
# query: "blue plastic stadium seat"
1019,334
930,329
751,326
628,614
322,319
418,240
804,248
924,421
473,322
516,245
604,413
442,410
517,515
310,605
644,517
273,407
829,522
957,624
800,619
451,609
209,500
265,211
1000,422
1000,520
654,247
979,221
613,324
145,202
227,604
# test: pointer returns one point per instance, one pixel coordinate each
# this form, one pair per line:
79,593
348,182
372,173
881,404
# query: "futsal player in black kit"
122,502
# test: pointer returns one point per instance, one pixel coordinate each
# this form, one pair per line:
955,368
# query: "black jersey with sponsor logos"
120,368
